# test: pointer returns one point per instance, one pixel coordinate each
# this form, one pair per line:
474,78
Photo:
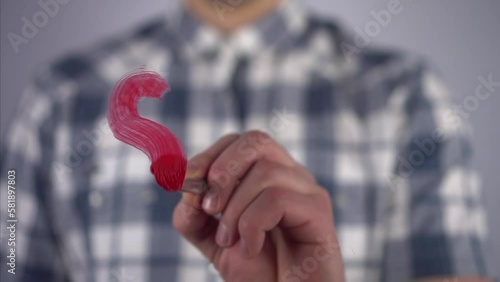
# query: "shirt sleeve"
26,151
438,216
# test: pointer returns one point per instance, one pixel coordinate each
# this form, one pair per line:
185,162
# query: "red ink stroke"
168,160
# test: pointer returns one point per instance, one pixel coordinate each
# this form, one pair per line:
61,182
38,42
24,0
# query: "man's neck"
229,15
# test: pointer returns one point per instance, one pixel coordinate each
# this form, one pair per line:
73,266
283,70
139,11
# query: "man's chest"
113,211
111,202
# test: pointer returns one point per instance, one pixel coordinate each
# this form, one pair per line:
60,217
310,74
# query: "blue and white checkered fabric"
374,127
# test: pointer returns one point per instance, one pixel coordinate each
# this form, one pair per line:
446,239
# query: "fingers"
302,217
272,190
189,219
232,164
199,165
195,225
263,175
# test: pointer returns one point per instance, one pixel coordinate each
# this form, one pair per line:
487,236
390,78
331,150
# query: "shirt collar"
277,29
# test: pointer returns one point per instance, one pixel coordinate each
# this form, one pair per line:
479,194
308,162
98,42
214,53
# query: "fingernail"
210,200
244,249
222,237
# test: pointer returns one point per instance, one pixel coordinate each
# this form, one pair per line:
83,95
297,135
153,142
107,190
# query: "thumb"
189,219
195,225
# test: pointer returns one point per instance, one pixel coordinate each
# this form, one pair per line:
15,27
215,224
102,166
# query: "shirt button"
95,199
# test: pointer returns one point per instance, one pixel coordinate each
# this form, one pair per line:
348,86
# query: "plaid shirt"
373,126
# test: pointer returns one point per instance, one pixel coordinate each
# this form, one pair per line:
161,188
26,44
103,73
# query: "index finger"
198,166
235,161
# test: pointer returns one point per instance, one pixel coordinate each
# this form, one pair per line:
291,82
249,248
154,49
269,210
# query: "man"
325,130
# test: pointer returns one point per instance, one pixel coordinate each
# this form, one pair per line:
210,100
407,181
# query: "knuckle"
229,217
246,224
230,136
272,176
253,133
217,175
266,169
277,196
256,135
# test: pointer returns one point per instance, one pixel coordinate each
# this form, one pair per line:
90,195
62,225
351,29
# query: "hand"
276,222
